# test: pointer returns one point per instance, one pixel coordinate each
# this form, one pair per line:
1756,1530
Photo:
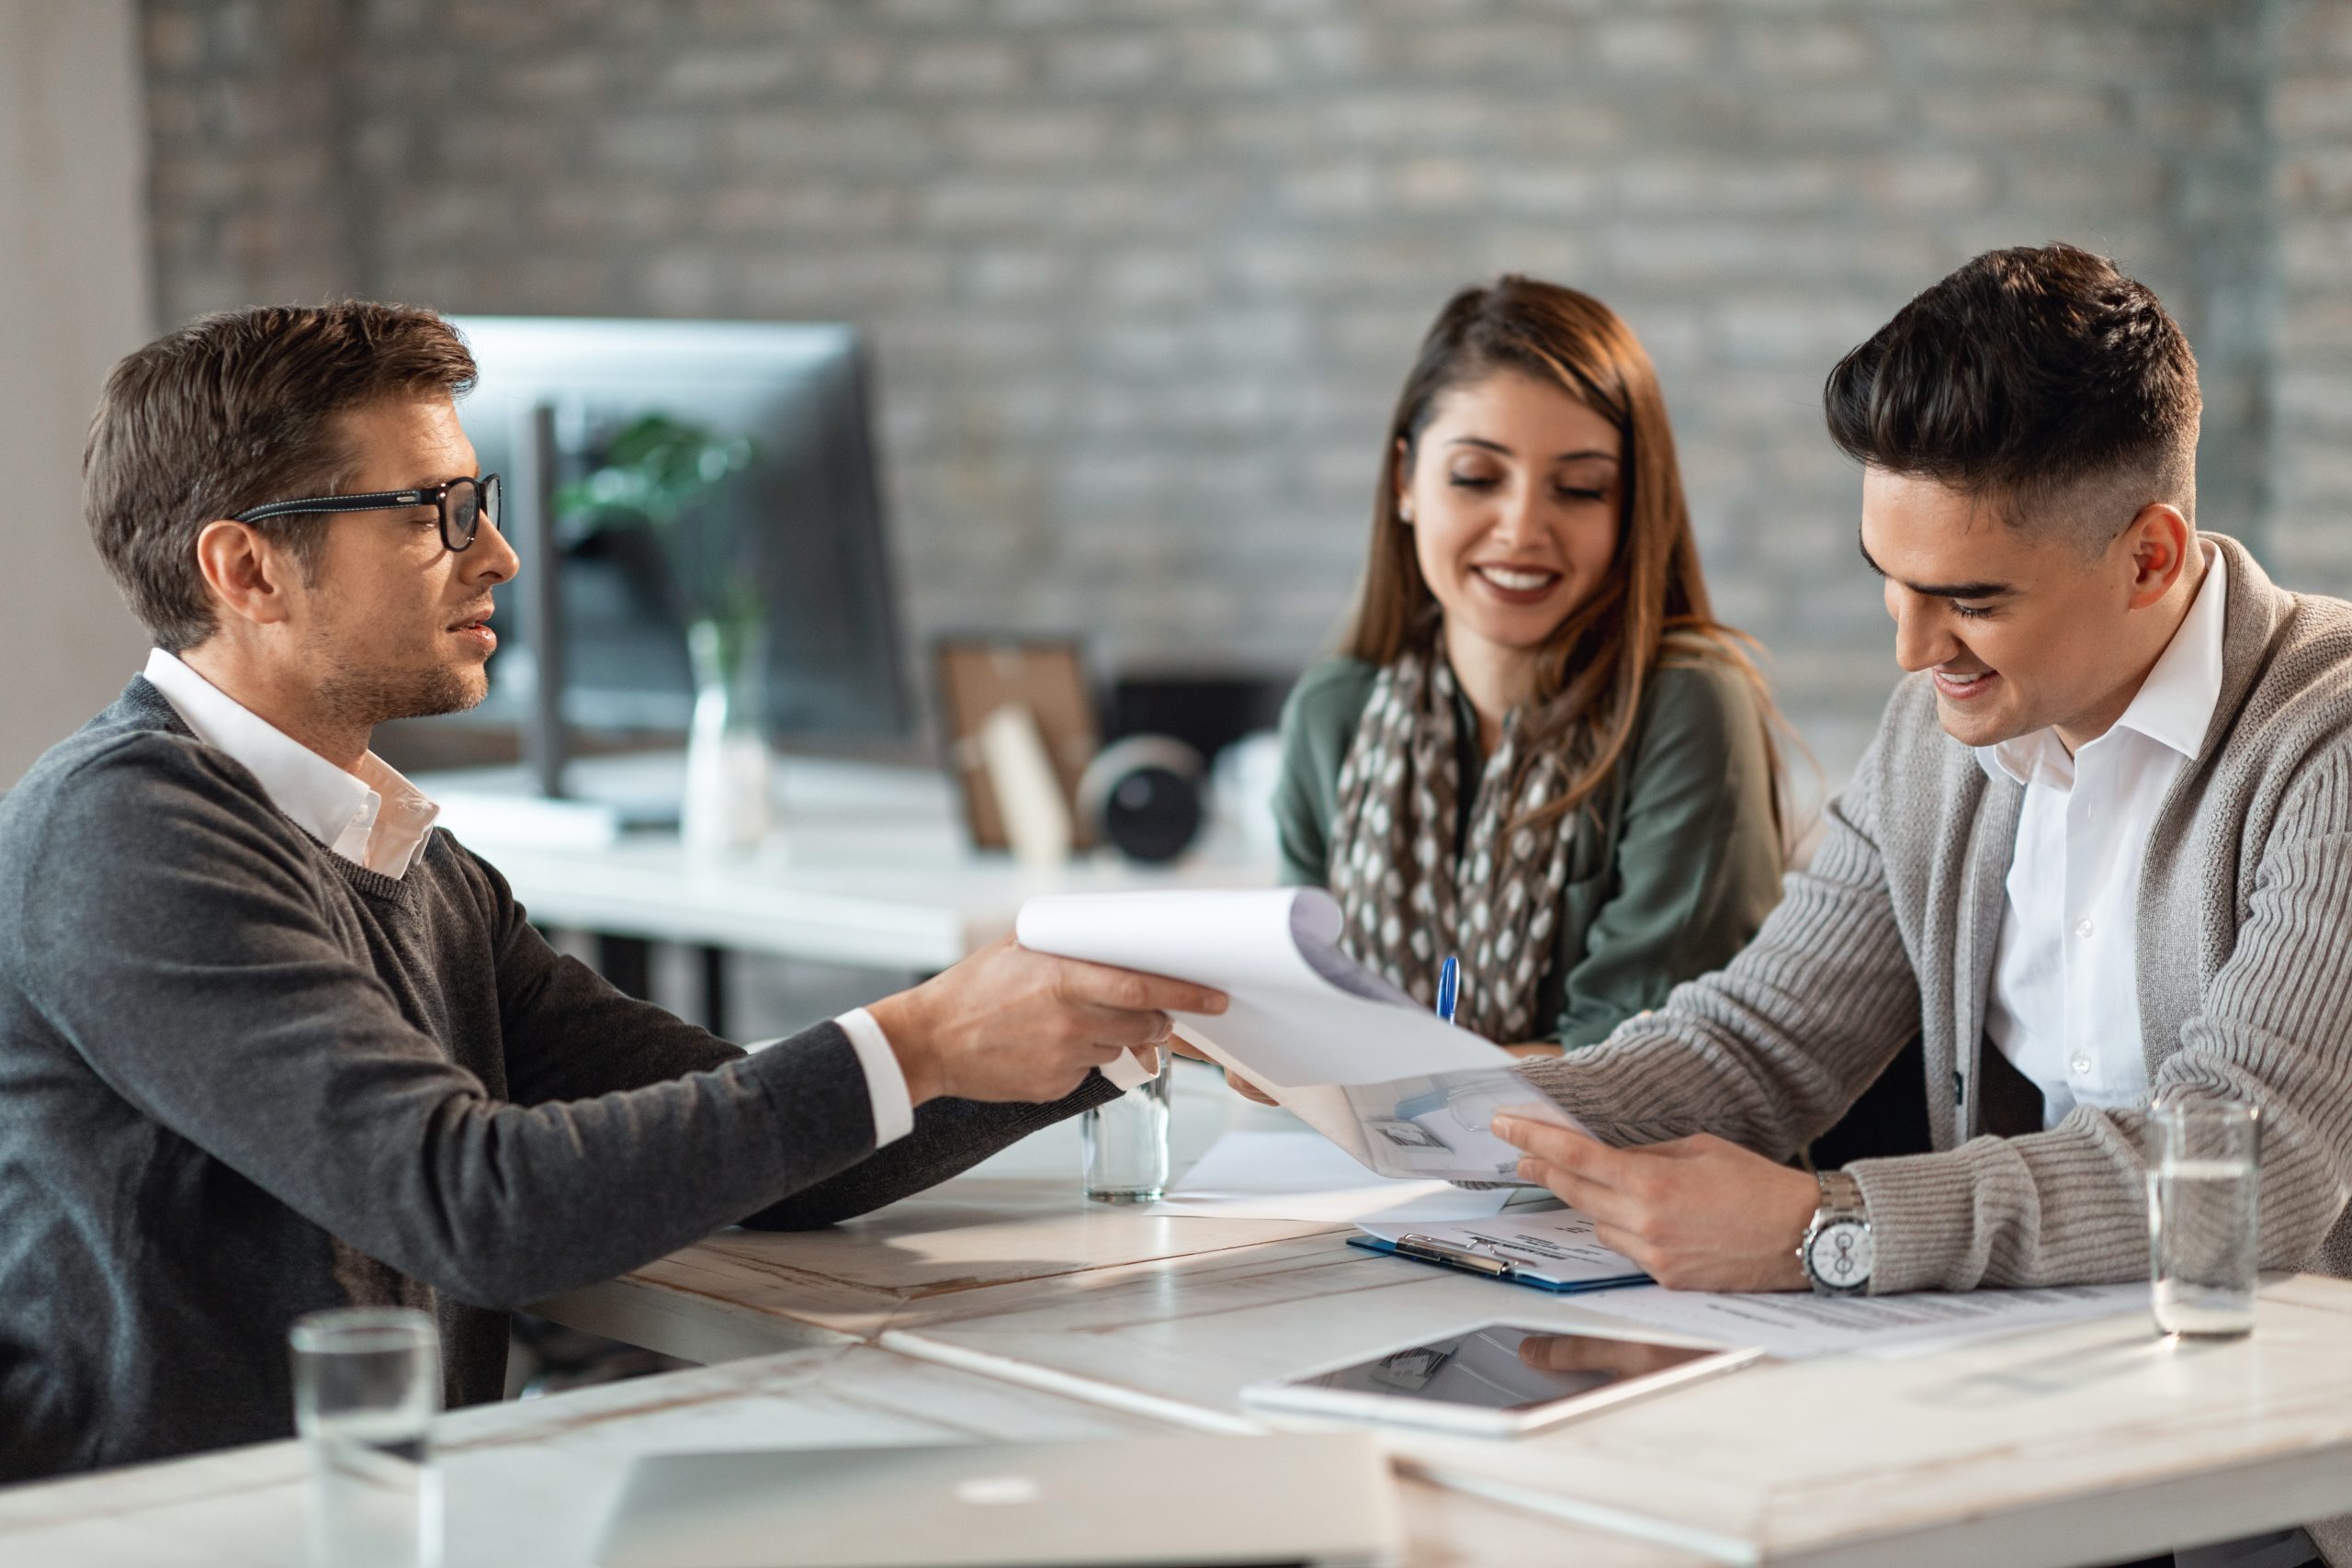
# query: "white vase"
727,806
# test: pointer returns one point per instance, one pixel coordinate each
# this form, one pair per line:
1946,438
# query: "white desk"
2090,1443
2078,1445
1002,1305
528,1484
1013,1219
2086,1444
869,867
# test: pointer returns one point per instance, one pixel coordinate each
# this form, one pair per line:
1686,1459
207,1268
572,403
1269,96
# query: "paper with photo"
1301,1176
1795,1325
1381,1075
1431,1126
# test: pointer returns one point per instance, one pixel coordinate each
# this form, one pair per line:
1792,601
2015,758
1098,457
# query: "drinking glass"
1125,1142
367,1386
2204,1195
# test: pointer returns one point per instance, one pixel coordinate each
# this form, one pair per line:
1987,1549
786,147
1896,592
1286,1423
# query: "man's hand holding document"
1354,1057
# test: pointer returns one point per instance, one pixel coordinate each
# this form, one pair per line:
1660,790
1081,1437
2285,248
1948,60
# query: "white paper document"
1556,1246
1384,1078
1796,1324
1303,1176
1303,1012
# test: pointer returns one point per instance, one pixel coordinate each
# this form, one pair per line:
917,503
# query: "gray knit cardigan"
2244,946
2244,951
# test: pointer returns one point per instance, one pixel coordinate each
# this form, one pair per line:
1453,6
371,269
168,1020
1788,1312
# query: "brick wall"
2310,184
1143,278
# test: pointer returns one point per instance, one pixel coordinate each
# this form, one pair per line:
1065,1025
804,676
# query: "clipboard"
1426,1249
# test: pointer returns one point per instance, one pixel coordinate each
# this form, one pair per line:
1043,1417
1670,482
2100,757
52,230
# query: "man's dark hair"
2040,378
234,410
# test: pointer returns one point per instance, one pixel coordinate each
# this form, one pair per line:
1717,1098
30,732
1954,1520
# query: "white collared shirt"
2065,1004
373,817
376,819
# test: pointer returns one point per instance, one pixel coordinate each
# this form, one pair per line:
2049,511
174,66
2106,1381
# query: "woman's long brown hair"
1593,669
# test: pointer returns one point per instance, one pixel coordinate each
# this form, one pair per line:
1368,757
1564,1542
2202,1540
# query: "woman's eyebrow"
1586,453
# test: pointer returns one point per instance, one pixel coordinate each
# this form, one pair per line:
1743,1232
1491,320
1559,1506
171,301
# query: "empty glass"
2204,1196
1125,1141
367,1386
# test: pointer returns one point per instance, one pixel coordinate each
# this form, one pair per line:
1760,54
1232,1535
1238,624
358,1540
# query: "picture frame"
978,674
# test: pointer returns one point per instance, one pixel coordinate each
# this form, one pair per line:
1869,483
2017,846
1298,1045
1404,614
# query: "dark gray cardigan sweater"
242,1078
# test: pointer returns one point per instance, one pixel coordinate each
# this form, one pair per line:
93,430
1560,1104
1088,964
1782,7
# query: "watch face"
1839,1252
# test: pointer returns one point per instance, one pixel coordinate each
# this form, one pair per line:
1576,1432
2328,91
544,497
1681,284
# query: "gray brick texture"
1143,278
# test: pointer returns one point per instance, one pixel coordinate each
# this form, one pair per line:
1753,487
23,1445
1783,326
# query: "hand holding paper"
1007,1024
1358,1060
1697,1213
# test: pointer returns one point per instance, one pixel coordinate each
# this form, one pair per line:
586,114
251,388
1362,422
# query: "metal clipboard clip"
1431,1250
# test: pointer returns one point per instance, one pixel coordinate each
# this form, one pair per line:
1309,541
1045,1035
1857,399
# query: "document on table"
1556,1246
1361,1062
1796,1324
1302,1176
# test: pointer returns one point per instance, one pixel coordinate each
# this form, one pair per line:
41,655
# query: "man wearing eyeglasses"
268,1044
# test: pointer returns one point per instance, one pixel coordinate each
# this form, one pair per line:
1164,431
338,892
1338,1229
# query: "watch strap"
1841,1194
1841,1203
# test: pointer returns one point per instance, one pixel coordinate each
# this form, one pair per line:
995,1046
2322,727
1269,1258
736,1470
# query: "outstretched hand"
1697,1213
1010,1025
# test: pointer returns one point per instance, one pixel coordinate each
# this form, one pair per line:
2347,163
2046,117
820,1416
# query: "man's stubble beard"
364,698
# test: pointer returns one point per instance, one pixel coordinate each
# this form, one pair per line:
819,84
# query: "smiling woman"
1541,754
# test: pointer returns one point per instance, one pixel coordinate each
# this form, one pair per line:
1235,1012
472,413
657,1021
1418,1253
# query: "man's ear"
2158,541
248,573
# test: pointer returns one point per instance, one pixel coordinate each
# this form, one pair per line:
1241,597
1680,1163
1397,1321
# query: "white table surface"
2089,1443
1016,1217
528,1485
869,866
2078,1445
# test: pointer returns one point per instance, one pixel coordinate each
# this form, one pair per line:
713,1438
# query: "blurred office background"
1141,279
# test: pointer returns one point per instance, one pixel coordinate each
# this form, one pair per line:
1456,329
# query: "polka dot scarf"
1409,898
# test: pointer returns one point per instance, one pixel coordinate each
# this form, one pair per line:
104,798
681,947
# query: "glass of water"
1125,1142
2204,1195
367,1386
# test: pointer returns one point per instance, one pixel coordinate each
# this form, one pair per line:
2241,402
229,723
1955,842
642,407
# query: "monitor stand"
535,487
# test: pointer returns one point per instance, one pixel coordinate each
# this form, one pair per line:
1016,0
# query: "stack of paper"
1794,1325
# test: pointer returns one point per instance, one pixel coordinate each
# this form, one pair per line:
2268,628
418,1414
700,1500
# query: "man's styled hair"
2041,378
234,410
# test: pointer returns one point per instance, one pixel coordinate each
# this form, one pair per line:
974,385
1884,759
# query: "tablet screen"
1503,1368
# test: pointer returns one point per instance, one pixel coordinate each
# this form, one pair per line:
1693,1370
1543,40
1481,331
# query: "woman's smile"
1518,584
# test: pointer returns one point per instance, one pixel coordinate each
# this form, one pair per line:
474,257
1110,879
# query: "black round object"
1152,814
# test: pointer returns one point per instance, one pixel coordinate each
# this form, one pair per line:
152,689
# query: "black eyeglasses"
463,503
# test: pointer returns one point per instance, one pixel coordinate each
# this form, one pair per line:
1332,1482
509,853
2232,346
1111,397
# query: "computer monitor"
799,392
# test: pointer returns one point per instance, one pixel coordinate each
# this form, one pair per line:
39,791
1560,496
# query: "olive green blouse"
1675,859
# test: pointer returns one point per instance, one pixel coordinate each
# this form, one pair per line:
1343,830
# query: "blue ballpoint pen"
1449,987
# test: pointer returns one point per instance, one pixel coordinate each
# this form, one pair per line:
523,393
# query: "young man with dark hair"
2099,851
269,1044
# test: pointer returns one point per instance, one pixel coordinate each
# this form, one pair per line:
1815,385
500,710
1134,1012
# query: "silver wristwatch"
1836,1251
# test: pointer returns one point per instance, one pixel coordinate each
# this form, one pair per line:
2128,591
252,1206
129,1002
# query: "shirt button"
2081,1064
2082,928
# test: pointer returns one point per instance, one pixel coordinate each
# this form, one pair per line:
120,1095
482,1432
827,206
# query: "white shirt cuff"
1126,1072
886,1081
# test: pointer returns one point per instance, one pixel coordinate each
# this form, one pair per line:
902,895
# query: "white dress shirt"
376,819
2065,1006
373,817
